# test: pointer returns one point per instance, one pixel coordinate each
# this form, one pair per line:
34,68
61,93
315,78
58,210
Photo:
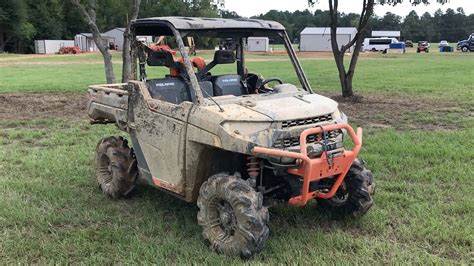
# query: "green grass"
435,75
51,210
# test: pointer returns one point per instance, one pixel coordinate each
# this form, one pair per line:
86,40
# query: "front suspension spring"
253,166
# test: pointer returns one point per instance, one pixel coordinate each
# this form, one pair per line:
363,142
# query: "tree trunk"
109,67
127,40
346,78
90,17
2,43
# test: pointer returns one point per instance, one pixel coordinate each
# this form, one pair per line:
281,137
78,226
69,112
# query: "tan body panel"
183,144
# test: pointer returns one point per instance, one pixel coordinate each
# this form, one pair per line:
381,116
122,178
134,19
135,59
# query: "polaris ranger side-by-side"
219,135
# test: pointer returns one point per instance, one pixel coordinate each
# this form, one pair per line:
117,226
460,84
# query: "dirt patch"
381,111
376,111
22,106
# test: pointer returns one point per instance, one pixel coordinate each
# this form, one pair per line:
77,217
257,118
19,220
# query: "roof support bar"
295,62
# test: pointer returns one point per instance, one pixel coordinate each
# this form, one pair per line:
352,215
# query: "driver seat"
228,85
224,84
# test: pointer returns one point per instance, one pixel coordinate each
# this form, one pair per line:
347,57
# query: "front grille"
306,121
295,141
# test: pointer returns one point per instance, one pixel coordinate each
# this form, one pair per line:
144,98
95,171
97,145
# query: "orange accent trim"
318,168
197,62
168,186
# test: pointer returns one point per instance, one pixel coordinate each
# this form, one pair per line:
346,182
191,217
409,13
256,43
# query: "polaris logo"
166,84
230,80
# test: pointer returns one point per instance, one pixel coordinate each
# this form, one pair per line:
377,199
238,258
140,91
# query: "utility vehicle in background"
220,135
378,44
423,46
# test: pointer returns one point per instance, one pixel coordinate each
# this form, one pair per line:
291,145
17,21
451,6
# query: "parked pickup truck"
466,45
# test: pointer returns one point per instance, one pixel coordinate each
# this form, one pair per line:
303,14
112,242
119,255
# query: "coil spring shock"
253,169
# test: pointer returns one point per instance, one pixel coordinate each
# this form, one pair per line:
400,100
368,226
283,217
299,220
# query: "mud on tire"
354,197
116,167
232,216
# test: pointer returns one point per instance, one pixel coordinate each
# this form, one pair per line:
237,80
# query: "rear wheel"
232,216
116,167
354,196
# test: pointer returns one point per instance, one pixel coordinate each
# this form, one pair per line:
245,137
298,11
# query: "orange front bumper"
312,169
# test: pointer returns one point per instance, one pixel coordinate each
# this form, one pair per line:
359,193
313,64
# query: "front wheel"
232,216
465,49
354,196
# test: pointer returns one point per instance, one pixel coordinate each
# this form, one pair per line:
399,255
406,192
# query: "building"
315,39
386,33
51,46
117,34
258,44
86,43
113,37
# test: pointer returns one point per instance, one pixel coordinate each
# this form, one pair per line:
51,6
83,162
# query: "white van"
378,44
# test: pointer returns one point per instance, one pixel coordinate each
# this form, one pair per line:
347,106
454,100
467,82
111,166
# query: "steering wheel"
262,82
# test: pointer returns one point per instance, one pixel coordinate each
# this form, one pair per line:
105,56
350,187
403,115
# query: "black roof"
198,23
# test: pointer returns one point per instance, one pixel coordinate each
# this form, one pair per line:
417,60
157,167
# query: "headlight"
245,128
339,116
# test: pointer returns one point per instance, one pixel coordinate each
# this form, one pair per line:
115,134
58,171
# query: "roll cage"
180,27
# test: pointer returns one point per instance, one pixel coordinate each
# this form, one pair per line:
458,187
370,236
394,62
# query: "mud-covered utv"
220,135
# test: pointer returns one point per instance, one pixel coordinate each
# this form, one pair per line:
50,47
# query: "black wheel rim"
222,219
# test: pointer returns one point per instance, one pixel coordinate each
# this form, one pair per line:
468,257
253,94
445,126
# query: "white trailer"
51,46
316,39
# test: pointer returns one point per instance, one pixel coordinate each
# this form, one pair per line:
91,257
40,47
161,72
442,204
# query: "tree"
13,19
127,40
410,26
88,11
346,76
389,22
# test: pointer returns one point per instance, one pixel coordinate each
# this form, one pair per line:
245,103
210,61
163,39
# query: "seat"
207,89
228,85
172,90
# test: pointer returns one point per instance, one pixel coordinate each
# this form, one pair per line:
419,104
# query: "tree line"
451,25
23,21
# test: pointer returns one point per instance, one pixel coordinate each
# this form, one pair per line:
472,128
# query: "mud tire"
358,188
247,231
116,167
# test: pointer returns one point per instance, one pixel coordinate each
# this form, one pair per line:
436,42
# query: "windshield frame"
241,33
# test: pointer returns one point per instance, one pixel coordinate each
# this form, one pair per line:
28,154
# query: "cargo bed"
108,103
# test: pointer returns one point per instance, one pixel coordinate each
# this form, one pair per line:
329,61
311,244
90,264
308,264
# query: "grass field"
418,119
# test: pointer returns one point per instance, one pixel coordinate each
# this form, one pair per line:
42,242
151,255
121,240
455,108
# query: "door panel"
159,130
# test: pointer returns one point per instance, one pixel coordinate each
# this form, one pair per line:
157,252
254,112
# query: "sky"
248,8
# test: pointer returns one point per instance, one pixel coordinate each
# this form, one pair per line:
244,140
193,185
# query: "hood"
279,108
295,107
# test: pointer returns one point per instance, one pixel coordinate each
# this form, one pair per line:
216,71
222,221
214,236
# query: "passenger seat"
172,90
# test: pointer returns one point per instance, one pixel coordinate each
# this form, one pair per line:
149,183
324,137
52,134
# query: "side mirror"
160,58
224,57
